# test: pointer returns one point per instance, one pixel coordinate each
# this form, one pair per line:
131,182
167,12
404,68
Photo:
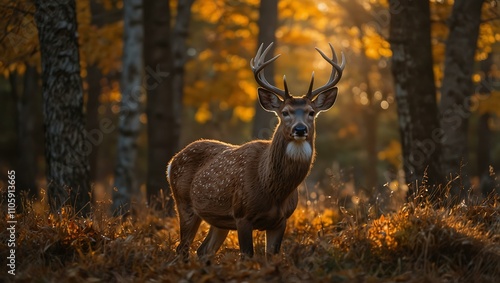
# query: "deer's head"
296,114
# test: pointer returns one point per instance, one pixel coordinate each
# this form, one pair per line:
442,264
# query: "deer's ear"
268,100
325,99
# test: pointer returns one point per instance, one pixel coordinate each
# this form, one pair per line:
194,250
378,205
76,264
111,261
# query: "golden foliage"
489,34
244,113
221,71
392,153
203,114
224,33
210,11
100,46
375,45
487,103
19,40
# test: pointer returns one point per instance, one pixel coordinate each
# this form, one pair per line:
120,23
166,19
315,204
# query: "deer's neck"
286,164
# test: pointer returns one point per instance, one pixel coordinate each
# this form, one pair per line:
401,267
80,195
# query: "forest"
97,96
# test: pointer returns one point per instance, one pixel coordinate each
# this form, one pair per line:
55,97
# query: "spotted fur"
251,186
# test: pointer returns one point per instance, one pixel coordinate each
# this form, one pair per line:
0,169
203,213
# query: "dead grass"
417,243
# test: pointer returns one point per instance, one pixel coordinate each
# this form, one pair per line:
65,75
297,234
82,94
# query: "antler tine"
258,53
264,54
311,84
258,64
284,83
334,76
334,54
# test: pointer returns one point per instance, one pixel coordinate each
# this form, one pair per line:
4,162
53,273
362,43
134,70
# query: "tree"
67,163
415,91
26,124
360,18
94,76
268,23
99,17
484,135
18,61
180,33
456,90
100,36
164,104
163,128
129,123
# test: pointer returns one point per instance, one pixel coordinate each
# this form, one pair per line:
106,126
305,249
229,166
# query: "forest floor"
416,243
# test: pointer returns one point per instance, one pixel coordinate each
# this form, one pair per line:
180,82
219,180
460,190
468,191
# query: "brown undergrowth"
416,243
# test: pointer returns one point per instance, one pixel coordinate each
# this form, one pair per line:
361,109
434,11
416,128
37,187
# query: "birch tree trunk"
67,163
415,91
268,23
456,90
129,124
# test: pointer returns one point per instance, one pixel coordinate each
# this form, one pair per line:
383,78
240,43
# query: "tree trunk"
487,183
94,91
180,34
25,165
129,124
162,112
67,163
27,169
94,76
268,23
483,150
370,116
359,17
415,91
456,90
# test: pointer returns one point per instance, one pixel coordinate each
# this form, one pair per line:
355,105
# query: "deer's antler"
258,64
334,77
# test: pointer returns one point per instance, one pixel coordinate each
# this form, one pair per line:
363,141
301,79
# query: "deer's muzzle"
299,132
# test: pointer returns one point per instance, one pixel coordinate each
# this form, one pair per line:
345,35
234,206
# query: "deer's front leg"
245,239
274,238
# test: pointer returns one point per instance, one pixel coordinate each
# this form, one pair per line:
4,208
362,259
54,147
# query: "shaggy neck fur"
286,164
299,150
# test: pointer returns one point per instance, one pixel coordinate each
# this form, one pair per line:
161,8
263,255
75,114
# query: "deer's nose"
300,130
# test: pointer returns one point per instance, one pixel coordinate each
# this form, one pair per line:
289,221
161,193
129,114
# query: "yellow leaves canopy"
101,46
224,35
376,46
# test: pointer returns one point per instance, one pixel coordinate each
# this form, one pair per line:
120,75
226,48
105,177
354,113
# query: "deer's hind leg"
189,224
212,242
274,238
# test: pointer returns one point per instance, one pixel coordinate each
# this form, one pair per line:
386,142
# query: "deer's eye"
285,113
312,113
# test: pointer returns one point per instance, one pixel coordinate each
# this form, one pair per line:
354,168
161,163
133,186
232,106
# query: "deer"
253,186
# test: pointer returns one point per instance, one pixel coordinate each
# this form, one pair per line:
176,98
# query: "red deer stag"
252,186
